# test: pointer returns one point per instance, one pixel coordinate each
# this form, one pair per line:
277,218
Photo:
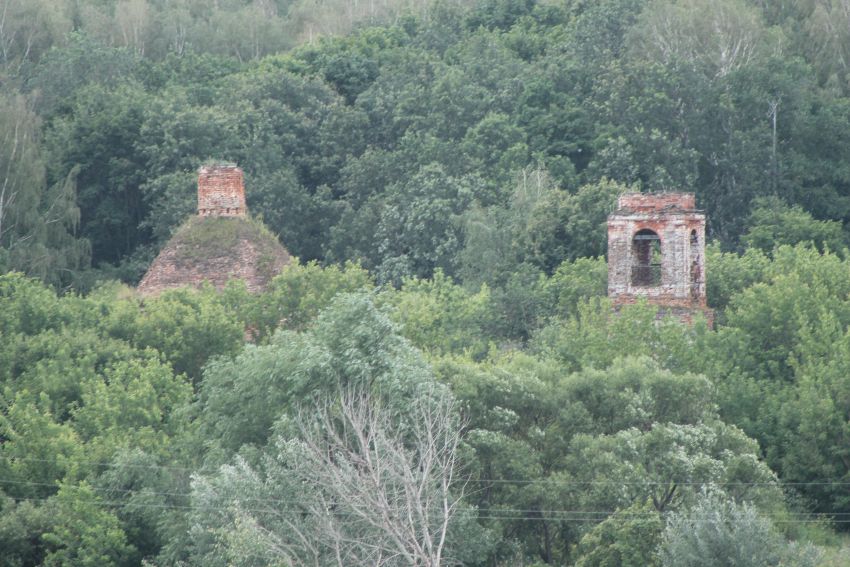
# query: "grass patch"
210,237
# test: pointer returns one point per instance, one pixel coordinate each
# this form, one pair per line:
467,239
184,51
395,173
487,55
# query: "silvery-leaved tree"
717,532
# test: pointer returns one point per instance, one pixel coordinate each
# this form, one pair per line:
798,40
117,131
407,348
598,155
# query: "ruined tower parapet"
220,191
220,244
656,250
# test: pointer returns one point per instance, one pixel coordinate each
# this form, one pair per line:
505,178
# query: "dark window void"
646,259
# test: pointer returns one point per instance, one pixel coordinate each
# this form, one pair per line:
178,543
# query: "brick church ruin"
656,251
219,244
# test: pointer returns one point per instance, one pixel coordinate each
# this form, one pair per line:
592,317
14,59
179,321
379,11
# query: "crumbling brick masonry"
220,244
656,250
220,191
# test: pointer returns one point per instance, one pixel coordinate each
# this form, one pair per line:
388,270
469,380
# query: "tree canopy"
437,377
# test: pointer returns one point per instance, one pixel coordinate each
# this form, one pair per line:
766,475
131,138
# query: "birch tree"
132,17
717,36
29,28
21,168
36,221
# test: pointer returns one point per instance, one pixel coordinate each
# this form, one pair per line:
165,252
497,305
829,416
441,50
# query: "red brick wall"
220,191
170,269
657,202
681,230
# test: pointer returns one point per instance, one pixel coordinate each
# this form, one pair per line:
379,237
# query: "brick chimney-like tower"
220,191
656,250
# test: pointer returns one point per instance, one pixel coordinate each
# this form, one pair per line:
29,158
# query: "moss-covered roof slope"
216,250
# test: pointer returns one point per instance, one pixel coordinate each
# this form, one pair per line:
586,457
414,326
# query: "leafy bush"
718,532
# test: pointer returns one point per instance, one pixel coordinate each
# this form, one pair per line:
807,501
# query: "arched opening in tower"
696,270
646,259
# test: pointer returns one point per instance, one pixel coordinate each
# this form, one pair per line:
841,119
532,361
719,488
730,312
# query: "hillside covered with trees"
440,379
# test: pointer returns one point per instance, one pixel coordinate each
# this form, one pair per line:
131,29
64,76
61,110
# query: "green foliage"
546,440
187,326
666,462
396,144
96,141
28,306
389,471
352,343
18,522
627,538
565,227
131,407
30,29
597,335
699,34
415,233
801,287
295,297
569,425
38,218
634,393
144,494
520,304
717,531
442,317
773,223
466,154
574,283
732,273
60,73
72,398
814,417
37,451
84,533
59,364
775,362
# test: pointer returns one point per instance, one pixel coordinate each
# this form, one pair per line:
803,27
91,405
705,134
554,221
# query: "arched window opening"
696,271
646,259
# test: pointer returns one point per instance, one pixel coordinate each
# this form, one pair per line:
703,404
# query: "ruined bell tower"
656,250
221,192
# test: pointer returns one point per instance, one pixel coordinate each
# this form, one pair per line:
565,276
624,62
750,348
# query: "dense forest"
439,379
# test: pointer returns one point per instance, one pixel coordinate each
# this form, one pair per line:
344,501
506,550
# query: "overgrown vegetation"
213,237
577,448
484,139
444,171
